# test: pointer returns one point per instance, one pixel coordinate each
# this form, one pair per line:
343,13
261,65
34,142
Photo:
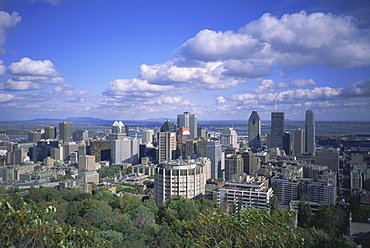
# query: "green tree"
304,211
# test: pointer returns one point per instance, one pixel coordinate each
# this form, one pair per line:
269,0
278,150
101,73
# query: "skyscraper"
229,137
125,151
298,142
215,154
188,120
254,126
166,146
65,131
277,129
50,133
310,132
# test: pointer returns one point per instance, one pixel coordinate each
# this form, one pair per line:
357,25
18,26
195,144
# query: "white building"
125,151
148,136
229,137
244,191
186,178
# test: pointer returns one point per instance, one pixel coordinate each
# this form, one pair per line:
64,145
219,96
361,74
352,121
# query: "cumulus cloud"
220,100
27,67
28,74
124,87
7,22
359,89
2,67
293,40
6,97
268,85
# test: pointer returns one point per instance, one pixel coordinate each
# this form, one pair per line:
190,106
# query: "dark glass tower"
277,129
254,126
310,132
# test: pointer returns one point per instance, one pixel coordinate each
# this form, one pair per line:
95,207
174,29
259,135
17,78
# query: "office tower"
183,134
34,136
249,163
254,126
202,133
43,149
118,131
285,189
57,153
125,151
188,120
186,178
166,146
68,148
277,129
244,191
65,131
298,142
229,137
233,164
215,154
86,163
310,132
328,157
50,133
20,155
118,127
80,135
148,136
101,150
167,126
287,143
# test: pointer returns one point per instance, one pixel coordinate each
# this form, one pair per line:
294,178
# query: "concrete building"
80,135
254,127
321,190
298,142
188,120
229,137
233,165
186,178
89,177
148,136
277,129
183,134
125,151
50,133
244,191
202,133
310,132
166,146
285,189
86,163
215,154
65,131
328,157
34,136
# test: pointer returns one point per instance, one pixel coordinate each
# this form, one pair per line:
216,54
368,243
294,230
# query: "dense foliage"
46,217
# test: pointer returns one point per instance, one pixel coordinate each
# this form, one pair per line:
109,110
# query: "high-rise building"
287,143
65,131
202,133
233,165
298,142
186,178
166,146
34,136
229,137
80,135
215,154
188,120
321,190
125,151
328,157
86,163
285,189
183,134
148,136
50,133
254,126
277,129
118,131
310,132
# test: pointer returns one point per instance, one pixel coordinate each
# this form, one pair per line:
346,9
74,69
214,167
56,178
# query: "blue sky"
136,59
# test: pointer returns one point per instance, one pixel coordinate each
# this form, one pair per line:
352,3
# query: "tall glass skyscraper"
277,129
188,120
310,132
254,126
65,131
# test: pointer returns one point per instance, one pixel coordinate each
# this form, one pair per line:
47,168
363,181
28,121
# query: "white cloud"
2,67
293,40
121,87
359,89
220,100
7,22
6,97
13,85
268,85
28,67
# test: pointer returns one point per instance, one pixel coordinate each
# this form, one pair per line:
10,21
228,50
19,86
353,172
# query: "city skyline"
136,60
